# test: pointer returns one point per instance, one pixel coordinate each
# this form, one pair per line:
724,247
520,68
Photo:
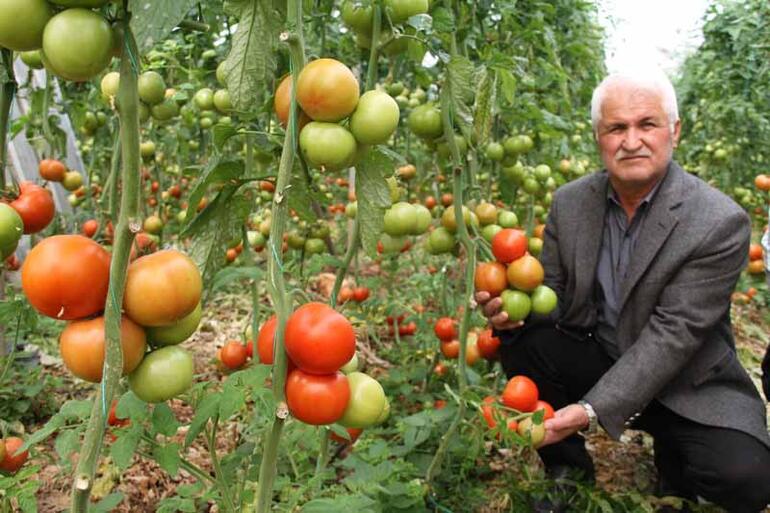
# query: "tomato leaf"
458,91
152,21
222,134
302,195
67,443
122,451
251,60
76,410
359,503
207,408
443,20
54,424
107,504
217,172
163,420
233,399
168,457
483,109
373,196
131,407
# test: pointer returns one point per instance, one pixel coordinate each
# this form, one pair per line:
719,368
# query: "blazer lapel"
589,241
656,229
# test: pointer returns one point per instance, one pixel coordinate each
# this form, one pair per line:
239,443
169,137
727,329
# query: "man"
644,257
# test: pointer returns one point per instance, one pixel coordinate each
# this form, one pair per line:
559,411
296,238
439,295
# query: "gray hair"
649,79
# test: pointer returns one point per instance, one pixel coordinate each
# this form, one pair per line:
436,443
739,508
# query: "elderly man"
644,258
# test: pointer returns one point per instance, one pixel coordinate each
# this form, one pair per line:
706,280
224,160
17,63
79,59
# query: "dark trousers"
727,467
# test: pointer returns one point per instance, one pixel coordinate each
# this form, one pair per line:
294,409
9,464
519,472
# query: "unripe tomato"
472,353
319,340
388,244
22,23
327,146
351,366
11,230
423,219
490,277
80,3
222,101
488,344
233,355
441,241
448,220
35,207
544,300
445,329
163,374
507,219
489,232
162,288
178,332
165,110
375,118
13,460
487,213
221,74
400,219
358,17
77,44
327,90
204,99
52,170
152,87
425,122
82,347
317,399
367,400
153,224
33,59
265,340
516,304
72,180
402,10
447,199
535,433
66,277
521,394
494,151
525,273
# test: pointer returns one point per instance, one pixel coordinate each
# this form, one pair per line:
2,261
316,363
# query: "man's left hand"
565,422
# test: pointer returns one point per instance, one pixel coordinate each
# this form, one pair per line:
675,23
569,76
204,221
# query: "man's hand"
491,308
566,421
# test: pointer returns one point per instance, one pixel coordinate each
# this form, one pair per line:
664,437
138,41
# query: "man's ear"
676,133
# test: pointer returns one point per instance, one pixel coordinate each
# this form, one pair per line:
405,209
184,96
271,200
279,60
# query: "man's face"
634,136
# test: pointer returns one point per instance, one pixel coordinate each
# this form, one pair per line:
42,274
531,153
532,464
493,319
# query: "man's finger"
492,308
482,297
508,325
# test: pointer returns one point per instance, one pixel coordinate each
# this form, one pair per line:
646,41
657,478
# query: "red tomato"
319,340
52,170
265,340
317,399
13,461
521,394
353,432
439,369
445,329
233,355
360,294
439,404
542,405
89,228
509,244
345,295
35,206
450,349
491,277
487,411
488,344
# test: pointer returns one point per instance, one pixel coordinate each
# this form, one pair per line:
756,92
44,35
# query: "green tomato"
222,101
425,121
351,209
144,112
22,23
169,109
357,17
535,433
394,189
441,240
402,10
395,88
531,186
516,304
385,412
204,99
424,219
544,300
80,3
163,374
206,123
256,240
535,246
77,44
400,219
495,151
320,231
11,230
392,244
314,246
327,145
152,88
489,231
542,172
444,151
221,75
295,240
516,173
33,59
351,366
147,149
375,118
177,332
72,180
367,400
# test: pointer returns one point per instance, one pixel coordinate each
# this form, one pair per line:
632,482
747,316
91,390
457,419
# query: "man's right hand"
491,307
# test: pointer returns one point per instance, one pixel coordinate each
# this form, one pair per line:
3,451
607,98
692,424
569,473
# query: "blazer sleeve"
689,306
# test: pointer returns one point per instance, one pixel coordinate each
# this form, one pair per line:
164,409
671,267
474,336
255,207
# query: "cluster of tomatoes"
75,43
357,294
522,396
324,385
66,277
479,345
756,259
328,93
517,268
399,324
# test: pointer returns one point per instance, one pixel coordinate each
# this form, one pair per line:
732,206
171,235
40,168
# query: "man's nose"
633,140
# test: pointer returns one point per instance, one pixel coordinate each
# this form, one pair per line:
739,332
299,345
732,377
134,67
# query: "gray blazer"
674,331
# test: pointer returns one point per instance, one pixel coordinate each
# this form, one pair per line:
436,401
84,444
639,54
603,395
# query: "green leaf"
373,196
231,274
483,109
217,172
459,87
107,504
122,451
222,133
207,408
131,407
67,443
53,425
251,60
168,457
76,410
443,20
233,399
358,503
153,21
300,195
163,420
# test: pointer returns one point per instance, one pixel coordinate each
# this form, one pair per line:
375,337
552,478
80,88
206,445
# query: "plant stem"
224,490
128,224
323,451
7,91
275,279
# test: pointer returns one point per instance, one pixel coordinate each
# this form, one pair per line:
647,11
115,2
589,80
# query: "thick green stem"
275,279
323,451
128,224
7,91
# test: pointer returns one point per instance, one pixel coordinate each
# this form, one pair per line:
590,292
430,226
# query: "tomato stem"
7,92
128,101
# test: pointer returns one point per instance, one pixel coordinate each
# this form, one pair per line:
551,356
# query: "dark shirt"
618,244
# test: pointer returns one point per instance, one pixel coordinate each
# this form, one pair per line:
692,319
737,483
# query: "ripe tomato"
175,333
756,267
11,230
450,349
508,245
233,355
319,340
162,288
77,44
354,433
525,273
375,118
35,206
487,411
66,277
367,400
163,374
490,277
430,202
113,419
22,23
265,340
408,329
488,344
82,347
447,199
327,146
439,404
327,90
755,251
317,399
360,294
521,394
13,460
445,329
89,228
762,182
472,353
282,103
440,369
52,170
547,408
345,295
